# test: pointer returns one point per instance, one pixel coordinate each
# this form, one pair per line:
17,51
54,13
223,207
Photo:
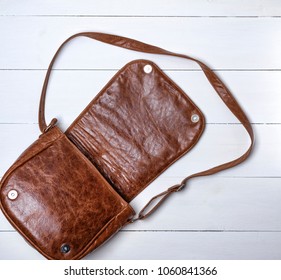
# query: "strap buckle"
181,186
177,188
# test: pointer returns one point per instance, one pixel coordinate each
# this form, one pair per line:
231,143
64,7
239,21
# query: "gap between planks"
139,16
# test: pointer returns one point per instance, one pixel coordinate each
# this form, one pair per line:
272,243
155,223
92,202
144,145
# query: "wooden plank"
219,143
223,43
211,203
14,140
13,246
166,245
70,91
215,203
198,245
143,8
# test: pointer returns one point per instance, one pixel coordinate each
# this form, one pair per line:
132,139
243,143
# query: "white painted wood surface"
231,215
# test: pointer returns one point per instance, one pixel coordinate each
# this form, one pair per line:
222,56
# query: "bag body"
55,197
69,192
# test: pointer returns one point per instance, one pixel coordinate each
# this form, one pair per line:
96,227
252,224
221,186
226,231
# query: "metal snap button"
195,118
12,194
147,68
65,248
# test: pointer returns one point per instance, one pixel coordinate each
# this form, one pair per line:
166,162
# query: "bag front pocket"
59,201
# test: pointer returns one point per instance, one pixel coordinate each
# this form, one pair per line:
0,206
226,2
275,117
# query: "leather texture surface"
136,127
62,199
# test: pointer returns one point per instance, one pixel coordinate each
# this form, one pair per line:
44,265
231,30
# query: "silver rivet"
13,194
147,69
195,118
65,248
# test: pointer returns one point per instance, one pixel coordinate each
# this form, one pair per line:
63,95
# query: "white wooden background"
231,215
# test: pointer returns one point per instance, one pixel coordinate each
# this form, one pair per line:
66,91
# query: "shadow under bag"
69,192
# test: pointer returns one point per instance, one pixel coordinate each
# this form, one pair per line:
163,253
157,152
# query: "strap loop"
51,125
143,215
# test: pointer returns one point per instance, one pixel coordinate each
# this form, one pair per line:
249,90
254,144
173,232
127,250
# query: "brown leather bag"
69,192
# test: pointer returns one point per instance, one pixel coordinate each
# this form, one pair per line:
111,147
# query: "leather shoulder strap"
214,80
